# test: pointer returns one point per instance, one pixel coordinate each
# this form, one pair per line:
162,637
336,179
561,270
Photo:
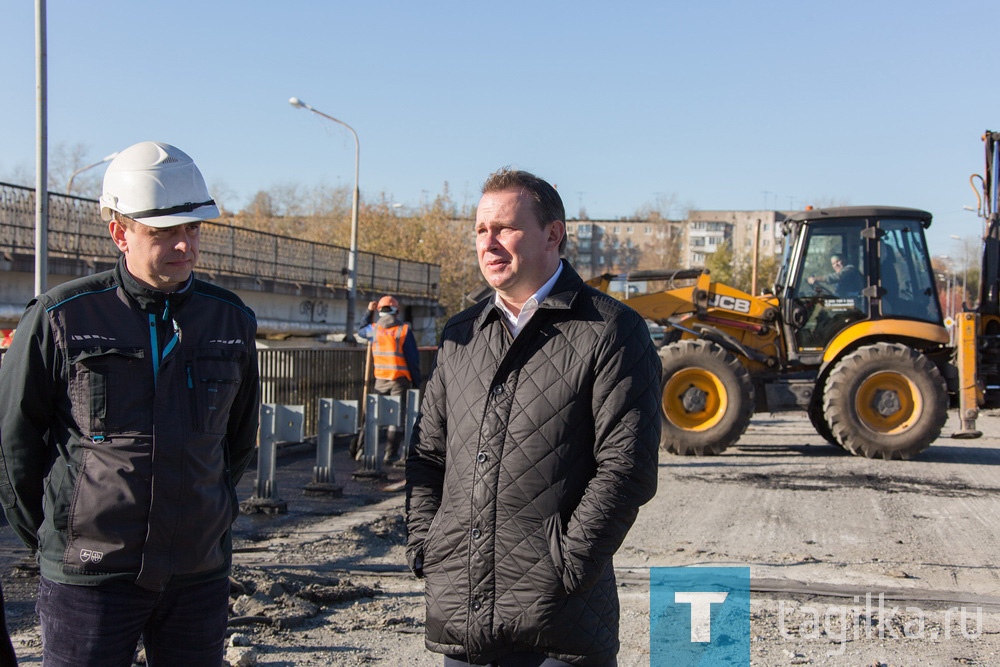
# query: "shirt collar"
517,322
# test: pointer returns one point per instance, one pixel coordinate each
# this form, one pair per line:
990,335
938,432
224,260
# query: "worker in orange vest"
397,364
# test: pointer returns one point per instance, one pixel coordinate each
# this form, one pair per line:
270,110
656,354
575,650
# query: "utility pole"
42,152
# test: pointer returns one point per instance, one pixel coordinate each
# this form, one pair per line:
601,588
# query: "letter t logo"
701,611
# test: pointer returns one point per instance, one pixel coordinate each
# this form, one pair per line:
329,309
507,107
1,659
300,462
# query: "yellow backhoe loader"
851,332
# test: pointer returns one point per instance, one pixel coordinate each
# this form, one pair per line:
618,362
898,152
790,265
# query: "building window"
614,229
649,230
697,225
628,229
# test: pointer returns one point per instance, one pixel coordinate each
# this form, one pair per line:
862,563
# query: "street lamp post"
106,158
352,257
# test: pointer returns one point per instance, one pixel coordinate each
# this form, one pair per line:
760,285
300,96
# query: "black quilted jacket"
530,461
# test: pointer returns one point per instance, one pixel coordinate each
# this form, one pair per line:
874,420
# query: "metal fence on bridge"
76,232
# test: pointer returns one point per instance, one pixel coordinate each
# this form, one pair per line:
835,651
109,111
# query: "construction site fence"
302,376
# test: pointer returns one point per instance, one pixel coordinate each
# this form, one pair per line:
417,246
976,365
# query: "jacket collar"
150,299
561,297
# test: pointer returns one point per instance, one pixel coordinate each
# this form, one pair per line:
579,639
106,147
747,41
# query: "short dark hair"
548,203
125,221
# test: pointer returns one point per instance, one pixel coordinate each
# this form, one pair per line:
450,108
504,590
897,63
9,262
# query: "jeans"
7,657
101,625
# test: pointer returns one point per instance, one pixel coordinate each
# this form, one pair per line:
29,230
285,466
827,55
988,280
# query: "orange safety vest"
387,352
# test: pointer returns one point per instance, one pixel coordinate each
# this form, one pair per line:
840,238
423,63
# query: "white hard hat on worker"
158,185
155,200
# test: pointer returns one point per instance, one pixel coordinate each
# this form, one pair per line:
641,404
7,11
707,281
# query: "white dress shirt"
515,323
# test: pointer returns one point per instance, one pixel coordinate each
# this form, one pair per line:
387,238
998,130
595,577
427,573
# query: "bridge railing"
77,232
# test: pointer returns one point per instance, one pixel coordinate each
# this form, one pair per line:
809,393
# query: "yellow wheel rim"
888,402
716,399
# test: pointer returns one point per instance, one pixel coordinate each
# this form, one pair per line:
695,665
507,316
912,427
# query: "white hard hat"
157,184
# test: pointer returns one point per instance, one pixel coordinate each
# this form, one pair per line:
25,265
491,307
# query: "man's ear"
557,229
117,230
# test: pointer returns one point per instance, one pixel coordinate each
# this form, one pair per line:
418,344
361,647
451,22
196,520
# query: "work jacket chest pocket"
106,396
213,380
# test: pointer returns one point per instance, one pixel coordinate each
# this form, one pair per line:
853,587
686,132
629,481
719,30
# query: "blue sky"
714,103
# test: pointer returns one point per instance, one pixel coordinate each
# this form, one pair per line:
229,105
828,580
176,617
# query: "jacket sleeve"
244,417
626,445
28,378
425,466
412,356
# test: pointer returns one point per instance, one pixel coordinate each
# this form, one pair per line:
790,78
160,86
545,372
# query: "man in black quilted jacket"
536,445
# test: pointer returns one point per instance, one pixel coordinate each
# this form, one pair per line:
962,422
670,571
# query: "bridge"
296,287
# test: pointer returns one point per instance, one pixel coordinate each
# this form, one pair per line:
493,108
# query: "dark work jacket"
531,459
126,418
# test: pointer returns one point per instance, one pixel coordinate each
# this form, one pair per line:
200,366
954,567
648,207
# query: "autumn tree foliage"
434,232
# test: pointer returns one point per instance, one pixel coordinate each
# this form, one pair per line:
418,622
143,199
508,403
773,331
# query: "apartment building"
709,230
619,246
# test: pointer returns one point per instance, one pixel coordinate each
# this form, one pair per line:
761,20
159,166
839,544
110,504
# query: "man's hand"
371,306
417,564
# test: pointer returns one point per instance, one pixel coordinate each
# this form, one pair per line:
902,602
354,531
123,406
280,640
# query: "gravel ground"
822,532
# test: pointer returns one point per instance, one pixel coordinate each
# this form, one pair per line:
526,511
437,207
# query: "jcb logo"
90,555
729,303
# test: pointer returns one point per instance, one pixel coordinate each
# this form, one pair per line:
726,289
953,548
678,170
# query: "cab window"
905,273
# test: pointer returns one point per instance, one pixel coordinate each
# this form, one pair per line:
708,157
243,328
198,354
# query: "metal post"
335,418
371,459
352,258
379,411
265,489
41,159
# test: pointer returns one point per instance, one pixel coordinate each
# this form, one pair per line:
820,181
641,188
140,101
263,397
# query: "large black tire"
815,412
885,401
706,398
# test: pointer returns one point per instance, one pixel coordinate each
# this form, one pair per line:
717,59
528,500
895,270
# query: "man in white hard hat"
128,411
